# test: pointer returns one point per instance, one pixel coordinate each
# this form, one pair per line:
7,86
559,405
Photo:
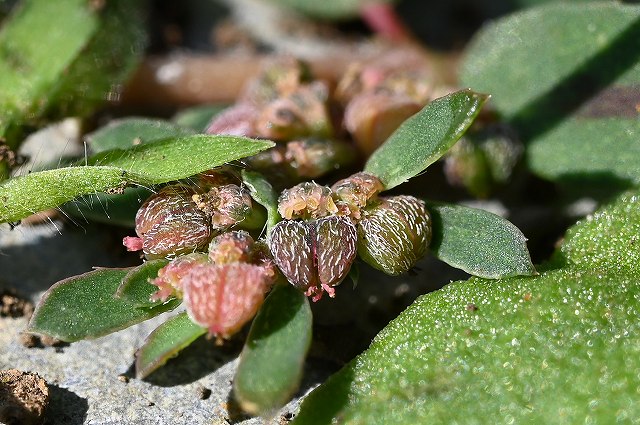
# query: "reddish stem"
383,19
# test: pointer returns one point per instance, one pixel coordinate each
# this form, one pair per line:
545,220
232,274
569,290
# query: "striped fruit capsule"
169,224
223,298
394,234
315,255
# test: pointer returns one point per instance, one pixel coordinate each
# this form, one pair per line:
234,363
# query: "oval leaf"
159,162
85,306
478,242
135,287
272,359
128,132
576,111
165,342
424,137
262,192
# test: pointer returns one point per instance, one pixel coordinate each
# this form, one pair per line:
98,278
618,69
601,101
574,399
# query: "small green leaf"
159,162
424,137
272,360
128,132
478,242
165,342
115,209
85,306
198,118
566,76
263,193
135,287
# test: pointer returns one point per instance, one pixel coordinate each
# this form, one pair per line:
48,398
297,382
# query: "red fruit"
314,255
223,298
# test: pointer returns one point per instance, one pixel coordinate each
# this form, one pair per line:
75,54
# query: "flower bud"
169,224
312,158
169,279
315,255
306,200
395,234
223,298
356,191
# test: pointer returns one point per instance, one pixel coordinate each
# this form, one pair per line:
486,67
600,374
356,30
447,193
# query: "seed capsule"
315,255
169,223
395,234
223,298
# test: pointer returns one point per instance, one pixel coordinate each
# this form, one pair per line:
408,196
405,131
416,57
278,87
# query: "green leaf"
115,209
607,240
84,306
135,287
197,118
159,162
64,57
165,342
478,242
262,192
424,137
128,132
567,77
560,346
272,360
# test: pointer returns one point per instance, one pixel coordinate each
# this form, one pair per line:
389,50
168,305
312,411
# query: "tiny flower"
169,279
311,158
223,298
356,191
227,205
315,255
306,200
394,234
169,224
231,247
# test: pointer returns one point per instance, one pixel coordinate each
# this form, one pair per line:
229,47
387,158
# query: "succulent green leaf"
272,359
49,69
478,242
262,192
159,162
562,344
135,286
424,137
567,77
128,132
115,209
197,118
165,342
85,306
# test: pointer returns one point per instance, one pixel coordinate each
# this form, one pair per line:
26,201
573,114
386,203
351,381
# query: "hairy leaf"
271,362
424,137
165,342
478,242
159,162
85,306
